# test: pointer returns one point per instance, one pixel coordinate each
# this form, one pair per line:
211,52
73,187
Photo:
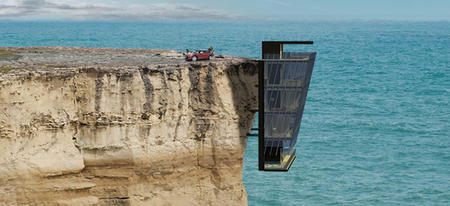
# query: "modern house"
285,76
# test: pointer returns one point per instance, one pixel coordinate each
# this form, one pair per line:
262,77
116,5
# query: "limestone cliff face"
122,127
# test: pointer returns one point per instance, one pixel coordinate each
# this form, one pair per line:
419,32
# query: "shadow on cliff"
244,84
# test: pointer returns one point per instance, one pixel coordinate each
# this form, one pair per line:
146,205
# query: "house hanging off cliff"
285,77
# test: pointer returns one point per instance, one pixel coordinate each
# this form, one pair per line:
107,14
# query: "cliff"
123,127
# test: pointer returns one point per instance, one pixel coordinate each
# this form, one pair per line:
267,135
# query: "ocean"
376,125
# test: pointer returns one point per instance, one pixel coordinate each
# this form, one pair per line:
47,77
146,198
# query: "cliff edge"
85,126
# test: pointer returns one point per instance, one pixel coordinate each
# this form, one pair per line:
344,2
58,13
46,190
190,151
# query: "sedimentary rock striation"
123,127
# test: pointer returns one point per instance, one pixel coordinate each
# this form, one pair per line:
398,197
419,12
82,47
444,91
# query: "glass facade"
286,77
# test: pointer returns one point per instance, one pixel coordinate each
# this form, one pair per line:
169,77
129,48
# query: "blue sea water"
376,127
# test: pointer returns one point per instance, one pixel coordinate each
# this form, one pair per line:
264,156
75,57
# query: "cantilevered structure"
285,78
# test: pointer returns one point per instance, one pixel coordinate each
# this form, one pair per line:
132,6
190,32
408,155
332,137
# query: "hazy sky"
225,10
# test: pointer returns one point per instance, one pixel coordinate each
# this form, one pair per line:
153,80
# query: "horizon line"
229,21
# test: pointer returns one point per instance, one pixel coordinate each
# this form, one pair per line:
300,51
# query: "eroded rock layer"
124,127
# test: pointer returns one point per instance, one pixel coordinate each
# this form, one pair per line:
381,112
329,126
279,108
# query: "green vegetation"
211,49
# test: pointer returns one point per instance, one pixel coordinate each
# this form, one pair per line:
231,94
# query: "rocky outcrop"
122,127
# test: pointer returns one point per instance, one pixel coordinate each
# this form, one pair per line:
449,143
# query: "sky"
225,10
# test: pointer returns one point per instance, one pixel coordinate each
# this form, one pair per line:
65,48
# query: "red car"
199,54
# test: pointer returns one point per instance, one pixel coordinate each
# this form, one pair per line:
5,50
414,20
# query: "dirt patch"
8,55
5,69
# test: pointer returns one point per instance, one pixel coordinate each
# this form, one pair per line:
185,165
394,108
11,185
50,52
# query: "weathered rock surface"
122,127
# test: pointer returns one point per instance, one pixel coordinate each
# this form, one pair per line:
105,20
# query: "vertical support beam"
281,51
261,115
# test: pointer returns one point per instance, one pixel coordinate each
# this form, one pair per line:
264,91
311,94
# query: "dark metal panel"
271,48
261,116
288,42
